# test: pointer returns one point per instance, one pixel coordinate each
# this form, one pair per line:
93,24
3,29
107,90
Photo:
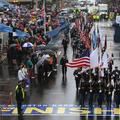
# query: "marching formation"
96,90
97,83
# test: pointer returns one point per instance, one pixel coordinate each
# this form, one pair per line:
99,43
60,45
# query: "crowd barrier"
5,93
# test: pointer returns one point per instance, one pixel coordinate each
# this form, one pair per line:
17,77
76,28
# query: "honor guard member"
116,74
20,95
77,75
117,94
100,97
105,77
110,63
82,92
91,93
95,87
108,93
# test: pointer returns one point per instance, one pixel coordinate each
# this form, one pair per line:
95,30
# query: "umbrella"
42,59
5,28
21,34
27,45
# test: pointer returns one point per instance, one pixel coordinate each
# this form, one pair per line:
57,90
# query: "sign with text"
60,110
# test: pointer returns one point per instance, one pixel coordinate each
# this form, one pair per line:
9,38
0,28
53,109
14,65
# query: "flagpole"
99,57
44,2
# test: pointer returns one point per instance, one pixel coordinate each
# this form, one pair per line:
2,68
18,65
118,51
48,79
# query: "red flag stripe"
83,58
84,61
78,65
81,62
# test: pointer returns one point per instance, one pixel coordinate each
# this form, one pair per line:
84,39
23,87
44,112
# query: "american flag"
80,62
84,37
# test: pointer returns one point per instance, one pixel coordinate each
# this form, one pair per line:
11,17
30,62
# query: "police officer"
108,93
77,78
20,95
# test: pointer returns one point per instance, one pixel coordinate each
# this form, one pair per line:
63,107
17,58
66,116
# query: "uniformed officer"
107,76
91,93
82,92
108,93
63,62
100,96
20,95
65,45
77,77
110,64
117,94
116,74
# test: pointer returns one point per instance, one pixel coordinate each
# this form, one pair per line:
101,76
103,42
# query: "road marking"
59,110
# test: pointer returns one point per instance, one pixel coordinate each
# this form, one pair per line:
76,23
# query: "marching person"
65,45
63,62
20,95
117,94
100,97
91,93
116,75
108,92
77,78
82,92
111,63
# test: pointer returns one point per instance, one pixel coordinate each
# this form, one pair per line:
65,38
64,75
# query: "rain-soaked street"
57,98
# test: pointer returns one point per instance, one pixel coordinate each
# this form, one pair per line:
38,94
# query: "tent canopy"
18,33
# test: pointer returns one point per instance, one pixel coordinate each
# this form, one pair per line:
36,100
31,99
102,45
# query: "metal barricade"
5,93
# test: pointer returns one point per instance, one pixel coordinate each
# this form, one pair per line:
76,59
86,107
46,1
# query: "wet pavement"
58,92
